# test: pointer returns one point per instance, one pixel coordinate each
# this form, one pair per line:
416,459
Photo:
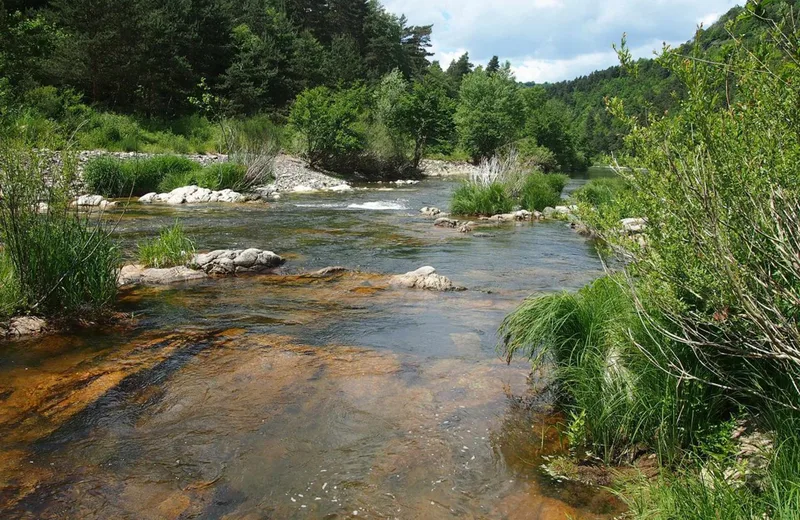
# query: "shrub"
481,200
540,191
62,264
171,248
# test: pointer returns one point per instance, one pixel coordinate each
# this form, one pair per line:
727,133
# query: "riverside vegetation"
690,351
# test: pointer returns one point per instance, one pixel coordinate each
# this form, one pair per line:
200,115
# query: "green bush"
479,200
540,191
171,248
330,125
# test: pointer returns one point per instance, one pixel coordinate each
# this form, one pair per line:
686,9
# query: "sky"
554,40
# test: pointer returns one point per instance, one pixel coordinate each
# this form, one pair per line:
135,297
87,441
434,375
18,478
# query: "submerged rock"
140,275
466,228
424,278
446,222
328,271
228,261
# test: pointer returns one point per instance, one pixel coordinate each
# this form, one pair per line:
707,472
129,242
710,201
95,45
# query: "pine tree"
493,66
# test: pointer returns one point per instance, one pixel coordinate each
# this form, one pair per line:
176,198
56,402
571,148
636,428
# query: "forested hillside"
344,83
655,90
147,56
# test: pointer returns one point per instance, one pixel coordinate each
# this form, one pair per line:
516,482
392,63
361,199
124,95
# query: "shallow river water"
286,396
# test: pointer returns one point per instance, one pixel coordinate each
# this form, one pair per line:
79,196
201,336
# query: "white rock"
149,198
176,199
341,188
633,225
303,189
89,200
430,212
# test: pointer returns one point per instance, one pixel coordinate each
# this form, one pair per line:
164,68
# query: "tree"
426,115
329,123
259,76
493,66
490,112
458,69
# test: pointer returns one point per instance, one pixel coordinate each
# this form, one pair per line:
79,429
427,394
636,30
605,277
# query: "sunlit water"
285,396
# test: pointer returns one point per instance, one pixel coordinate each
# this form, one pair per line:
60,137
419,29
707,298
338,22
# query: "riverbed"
288,396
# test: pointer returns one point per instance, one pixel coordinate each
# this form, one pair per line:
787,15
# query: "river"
293,397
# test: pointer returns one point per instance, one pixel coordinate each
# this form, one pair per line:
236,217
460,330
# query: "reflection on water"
288,396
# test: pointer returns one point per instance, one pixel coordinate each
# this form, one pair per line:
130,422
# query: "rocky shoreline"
291,175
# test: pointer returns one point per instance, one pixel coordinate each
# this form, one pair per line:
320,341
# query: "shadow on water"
293,397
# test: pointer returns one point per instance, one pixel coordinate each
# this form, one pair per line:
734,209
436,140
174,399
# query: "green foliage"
329,124
10,298
61,264
172,248
490,112
481,200
542,190
604,201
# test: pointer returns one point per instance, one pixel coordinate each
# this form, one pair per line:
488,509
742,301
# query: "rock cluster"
424,278
293,175
23,326
517,216
228,262
434,168
559,212
446,222
196,195
92,201
430,212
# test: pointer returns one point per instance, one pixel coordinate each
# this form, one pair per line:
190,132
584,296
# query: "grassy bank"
689,352
55,263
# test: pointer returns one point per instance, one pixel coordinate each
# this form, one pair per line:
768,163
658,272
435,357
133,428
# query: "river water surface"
287,396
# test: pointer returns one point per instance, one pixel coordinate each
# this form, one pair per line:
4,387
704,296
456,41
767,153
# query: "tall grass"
172,248
482,200
61,263
594,341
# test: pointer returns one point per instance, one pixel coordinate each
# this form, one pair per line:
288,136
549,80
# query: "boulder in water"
430,212
230,261
424,278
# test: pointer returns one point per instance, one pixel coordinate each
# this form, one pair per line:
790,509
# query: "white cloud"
550,40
